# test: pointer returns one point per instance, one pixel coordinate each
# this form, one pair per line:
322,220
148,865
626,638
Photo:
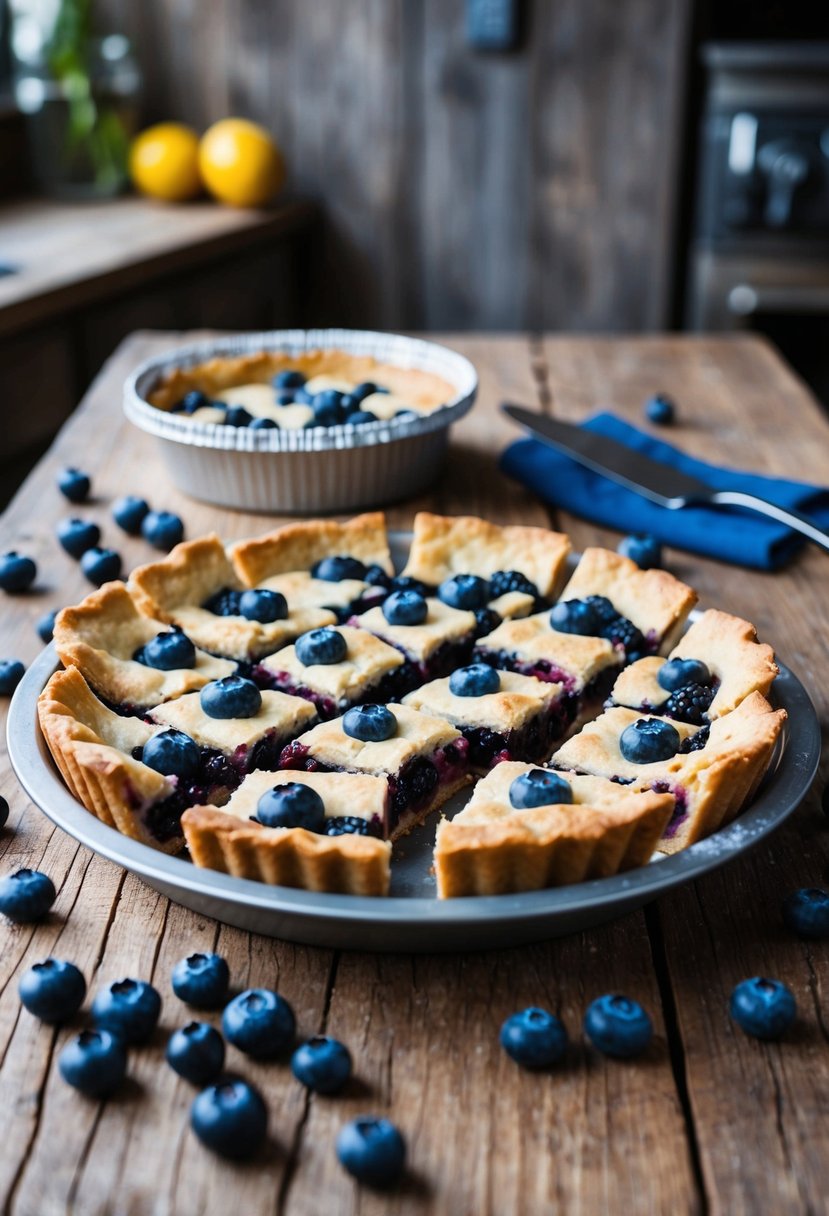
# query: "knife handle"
798,523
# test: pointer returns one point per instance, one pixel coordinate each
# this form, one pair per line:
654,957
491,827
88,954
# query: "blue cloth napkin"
728,533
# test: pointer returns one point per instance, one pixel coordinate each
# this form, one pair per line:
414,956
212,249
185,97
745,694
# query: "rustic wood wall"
463,189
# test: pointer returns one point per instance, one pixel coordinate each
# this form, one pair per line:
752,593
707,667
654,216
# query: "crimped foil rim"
385,347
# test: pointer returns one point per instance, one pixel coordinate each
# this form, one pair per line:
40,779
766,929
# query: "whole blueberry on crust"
540,787
231,697
405,608
648,740
172,753
291,805
369,723
321,646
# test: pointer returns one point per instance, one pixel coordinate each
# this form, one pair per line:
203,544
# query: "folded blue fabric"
727,533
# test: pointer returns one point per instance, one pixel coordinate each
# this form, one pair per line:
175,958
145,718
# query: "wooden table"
707,1121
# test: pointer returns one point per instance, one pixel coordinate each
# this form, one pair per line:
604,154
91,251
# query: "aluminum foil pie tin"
324,469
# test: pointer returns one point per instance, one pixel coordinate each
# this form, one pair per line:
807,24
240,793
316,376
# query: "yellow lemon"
164,162
240,163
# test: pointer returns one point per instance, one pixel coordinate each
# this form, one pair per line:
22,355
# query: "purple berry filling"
441,662
680,811
391,687
530,743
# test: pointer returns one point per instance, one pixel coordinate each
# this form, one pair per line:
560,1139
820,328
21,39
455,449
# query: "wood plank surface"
706,1121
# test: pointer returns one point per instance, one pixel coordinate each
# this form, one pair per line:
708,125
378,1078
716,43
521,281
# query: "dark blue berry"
534,1038
46,627
405,608
806,912
466,591
335,569
78,535
101,566
649,739
53,990
372,1151
196,1052
162,529
260,1023
575,616
369,723
94,1062
763,1008
231,697
346,825
645,551
169,651
129,513
327,408
322,1064
363,390
293,805
659,409
11,673
477,680
689,704
376,576
230,1118
405,582
263,606
288,378
503,581
539,787
74,485
323,646
192,401
677,673
17,573
26,895
201,980
172,753
618,1026
406,415
349,405
360,418
4,811
263,424
128,1008
224,603
485,621
237,415
286,397
303,397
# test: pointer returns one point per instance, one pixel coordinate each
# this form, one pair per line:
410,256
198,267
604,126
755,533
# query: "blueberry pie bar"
432,637
527,828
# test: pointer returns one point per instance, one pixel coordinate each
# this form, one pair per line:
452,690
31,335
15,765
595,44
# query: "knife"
663,484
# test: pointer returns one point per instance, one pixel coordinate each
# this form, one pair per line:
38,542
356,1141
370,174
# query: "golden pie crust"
298,546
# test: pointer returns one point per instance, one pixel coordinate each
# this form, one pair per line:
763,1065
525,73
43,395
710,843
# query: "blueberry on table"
129,513
172,753
405,608
477,680
369,723
230,1118
660,410
292,805
679,673
231,697
74,485
335,569
806,912
52,990
648,740
539,787
321,646
618,1026
4,811
77,535
322,1064
196,1052
260,1023
17,572
372,1151
169,651
45,626
162,529
534,1038
466,591
94,1062
201,980
11,673
263,606
101,566
26,895
288,378
127,1008
763,1008
645,551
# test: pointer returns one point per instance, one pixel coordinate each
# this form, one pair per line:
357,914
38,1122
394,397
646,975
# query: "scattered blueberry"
360,418
466,591
534,1038
763,1008
237,415
231,697
806,912
372,1151
17,573
539,787
94,1062
263,424
645,551
649,739
323,646
26,895
172,753
74,485
201,980
162,529
230,1118
293,805
327,408
4,811
322,1064
677,673
575,616
510,580
405,608
196,1052
263,606
369,723
335,569
477,680
53,990
289,378
618,1026
129,513
659,409
260,1023
128,1008
101,566
11,673
46,627
169,651
192,401
78,535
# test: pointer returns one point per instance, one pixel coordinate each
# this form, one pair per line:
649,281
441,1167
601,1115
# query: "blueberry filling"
530,743
441,662
504,581
695,743
680,811
393,686
352,825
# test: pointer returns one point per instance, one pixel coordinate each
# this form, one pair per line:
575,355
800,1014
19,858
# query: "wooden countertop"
707,1121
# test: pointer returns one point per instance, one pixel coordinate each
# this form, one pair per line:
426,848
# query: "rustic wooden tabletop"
707,1121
